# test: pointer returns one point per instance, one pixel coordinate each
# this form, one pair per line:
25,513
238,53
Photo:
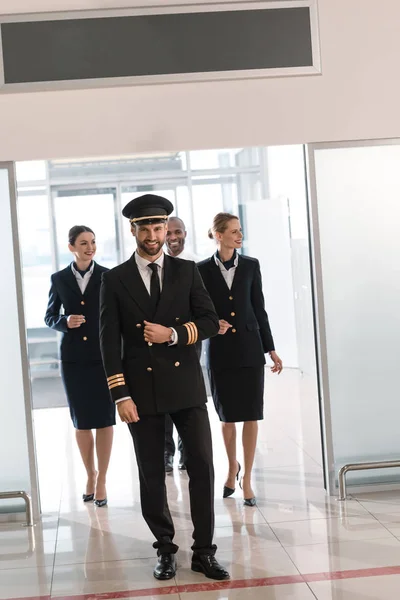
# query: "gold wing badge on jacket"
115,381
192,332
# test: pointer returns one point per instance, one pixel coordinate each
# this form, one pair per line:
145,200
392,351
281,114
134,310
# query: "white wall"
16,446
357,96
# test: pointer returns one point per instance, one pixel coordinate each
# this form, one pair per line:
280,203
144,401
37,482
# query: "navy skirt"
88,396
238,394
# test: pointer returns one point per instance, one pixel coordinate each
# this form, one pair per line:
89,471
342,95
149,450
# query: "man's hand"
278,366
156,334
127,411
75,321
223,326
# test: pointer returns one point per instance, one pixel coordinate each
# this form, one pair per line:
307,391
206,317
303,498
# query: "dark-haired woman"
77,289
236,357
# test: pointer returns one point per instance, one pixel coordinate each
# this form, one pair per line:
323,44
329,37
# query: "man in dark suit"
153,309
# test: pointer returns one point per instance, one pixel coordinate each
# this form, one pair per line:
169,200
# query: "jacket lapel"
219,279
170,286
239,274
133,282
71,281
93,281
217,276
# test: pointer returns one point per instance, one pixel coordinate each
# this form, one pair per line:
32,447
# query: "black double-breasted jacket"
160,378
249,338
80,344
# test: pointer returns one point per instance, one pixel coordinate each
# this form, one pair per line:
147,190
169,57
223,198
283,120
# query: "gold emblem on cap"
165,217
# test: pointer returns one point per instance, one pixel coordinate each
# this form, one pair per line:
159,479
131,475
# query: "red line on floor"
210,586
353,574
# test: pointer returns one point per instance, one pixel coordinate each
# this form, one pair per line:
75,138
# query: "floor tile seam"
311,590
305,451
292,560
328,518
332,543
95,562
322,518
387,529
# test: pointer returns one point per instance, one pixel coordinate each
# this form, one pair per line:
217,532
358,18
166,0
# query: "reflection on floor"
297,544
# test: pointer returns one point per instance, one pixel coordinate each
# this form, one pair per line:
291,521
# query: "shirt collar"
75,272
142,263
221,264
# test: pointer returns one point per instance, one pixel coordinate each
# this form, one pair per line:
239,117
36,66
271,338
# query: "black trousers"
148,438
169,438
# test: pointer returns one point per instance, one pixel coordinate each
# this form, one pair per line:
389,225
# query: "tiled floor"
298,544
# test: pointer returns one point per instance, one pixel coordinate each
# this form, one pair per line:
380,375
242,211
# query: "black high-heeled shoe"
227,490
101,503
88,497
248,501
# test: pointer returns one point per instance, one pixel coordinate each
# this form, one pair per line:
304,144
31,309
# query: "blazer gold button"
177,364
149,343
233,330
176,318
85,339
230,297
149,369
138,325
82,302
232,314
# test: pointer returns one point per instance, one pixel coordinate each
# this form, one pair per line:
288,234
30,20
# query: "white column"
17,452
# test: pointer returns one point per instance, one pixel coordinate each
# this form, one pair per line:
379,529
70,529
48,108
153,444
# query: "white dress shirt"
228,275
146,273
82,281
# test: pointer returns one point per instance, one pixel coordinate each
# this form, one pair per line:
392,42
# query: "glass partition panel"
357,199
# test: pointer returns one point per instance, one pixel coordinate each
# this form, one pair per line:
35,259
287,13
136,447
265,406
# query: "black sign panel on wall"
153,47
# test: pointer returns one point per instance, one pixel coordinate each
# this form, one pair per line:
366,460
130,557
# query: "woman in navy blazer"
236,357
77,290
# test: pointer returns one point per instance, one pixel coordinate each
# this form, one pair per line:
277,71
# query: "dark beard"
149,251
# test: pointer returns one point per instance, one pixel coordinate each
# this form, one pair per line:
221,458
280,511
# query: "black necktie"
155,290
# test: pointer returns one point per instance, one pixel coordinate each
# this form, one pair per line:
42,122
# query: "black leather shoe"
181,466
165,567
169,463
208,564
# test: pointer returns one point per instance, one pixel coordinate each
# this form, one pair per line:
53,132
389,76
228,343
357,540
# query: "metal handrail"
28,503
385,464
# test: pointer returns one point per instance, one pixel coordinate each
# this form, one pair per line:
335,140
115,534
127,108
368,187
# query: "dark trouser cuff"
165,547
201,551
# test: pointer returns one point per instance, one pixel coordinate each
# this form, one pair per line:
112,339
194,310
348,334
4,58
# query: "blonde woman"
235,357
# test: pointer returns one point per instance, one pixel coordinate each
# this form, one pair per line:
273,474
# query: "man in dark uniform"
153,310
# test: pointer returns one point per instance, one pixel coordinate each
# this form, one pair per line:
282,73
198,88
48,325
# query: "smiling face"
232,237
176,236
84,247
150,239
